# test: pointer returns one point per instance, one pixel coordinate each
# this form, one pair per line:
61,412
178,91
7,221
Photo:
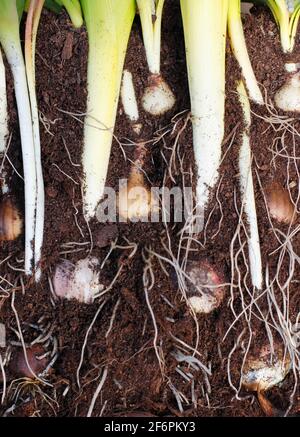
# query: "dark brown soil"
135,382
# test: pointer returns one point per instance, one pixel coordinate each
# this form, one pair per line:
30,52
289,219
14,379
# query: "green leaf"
296,3
74,10
53,6
20,7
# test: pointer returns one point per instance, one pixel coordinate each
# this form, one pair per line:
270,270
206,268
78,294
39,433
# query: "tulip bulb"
136,201
10,221
279,203
265,370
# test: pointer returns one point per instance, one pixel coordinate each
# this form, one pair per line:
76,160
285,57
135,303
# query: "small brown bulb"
279,203
10,221
38,365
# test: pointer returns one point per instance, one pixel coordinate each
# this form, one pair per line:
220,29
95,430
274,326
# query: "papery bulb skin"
279,204
11,223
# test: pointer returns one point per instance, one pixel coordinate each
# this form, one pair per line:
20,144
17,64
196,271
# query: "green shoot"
108,24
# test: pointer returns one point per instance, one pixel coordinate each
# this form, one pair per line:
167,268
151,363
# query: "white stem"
158,98
15,58
30,50
99,125
3,107
157,36
109,24
151,31
239,47
40,200
205,35
247,191
3,124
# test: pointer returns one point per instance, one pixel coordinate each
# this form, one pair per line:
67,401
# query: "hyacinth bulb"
205,289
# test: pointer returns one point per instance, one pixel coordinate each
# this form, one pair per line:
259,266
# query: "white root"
97,392
247,190
2,335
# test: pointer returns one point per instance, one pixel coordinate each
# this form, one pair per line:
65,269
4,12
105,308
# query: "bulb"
10,221
19,365
287,97
158,97
279,203
264,370
136,201
205,291
78,281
